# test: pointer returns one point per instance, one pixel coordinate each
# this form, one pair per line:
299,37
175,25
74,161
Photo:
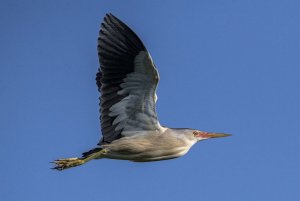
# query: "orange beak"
215,135
208,135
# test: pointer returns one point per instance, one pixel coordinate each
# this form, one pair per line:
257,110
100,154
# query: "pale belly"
149,149
147,156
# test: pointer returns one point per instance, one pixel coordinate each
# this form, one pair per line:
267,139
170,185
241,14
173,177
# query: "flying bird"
127,80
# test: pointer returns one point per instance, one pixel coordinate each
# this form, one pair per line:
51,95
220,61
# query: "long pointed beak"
215,135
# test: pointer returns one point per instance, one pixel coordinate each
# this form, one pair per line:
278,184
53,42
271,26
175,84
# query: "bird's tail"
65,163
92,151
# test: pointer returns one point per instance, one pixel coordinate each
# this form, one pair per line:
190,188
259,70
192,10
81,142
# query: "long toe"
62,164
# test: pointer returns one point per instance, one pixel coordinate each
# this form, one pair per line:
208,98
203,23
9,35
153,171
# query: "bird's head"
203,135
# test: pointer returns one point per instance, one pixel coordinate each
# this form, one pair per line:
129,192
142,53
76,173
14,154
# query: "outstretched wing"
127,80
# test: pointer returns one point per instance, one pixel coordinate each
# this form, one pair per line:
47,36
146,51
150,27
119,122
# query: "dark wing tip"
112,20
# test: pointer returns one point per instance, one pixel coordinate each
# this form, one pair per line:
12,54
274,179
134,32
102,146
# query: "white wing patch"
137,110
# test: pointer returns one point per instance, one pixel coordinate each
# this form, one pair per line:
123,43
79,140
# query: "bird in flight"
127,80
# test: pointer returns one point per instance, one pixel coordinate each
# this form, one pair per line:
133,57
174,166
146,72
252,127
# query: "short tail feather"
85,154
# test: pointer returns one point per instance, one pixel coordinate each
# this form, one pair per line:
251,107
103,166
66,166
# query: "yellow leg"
65,163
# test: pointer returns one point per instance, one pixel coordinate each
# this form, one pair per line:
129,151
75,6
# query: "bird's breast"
147,148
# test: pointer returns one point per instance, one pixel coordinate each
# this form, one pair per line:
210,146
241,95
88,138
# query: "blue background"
225,66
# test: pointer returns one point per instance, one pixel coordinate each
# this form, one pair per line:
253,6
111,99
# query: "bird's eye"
195,133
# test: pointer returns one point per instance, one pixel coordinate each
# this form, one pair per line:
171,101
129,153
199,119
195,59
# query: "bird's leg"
65,163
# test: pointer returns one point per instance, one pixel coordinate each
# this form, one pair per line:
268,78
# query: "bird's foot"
65,163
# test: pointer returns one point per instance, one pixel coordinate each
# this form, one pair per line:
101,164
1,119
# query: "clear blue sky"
225,66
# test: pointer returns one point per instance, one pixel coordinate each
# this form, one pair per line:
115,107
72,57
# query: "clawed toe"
62,164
